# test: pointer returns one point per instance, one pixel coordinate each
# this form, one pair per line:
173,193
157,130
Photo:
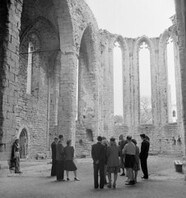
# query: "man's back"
144,149
98,152
59,151
53,148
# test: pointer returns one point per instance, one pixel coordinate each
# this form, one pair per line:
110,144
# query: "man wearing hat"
144,155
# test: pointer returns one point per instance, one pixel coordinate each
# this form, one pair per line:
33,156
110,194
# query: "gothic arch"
88,79
169,33
47,34
125,73
146,40
66,29
24,136
135,74
88,46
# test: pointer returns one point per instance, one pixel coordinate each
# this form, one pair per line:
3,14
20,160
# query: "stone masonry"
59,79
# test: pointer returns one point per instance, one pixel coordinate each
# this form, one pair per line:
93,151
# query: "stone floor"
35,182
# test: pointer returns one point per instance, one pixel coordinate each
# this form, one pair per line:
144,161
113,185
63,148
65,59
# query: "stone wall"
65,37
161,132
65,30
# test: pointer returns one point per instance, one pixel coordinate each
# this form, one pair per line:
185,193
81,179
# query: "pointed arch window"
171,81
118,82
33,66
145,84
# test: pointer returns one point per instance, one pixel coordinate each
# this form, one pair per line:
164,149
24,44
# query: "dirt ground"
35,182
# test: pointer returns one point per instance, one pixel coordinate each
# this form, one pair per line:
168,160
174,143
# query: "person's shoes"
130,183
114,185
109,185
18,172
76,179
144,177
101,187
68,179
123,174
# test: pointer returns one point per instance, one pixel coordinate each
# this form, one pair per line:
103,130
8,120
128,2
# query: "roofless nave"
45,43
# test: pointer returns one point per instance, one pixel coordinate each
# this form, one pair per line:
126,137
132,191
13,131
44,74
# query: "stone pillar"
181,20
126,84
67,96
9,91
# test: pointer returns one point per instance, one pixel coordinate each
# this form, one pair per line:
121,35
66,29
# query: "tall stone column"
9,60
181,25
67,96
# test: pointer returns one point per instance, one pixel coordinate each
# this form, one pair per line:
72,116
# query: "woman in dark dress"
69,163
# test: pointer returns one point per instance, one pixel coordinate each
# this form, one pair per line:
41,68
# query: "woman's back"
112,156
69,152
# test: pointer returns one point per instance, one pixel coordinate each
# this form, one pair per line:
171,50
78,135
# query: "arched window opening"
23,139
172,106
118,84
33,67
89,135
29,67
145,84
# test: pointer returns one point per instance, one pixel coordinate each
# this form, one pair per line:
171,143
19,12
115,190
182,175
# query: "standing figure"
98,156
105,143
53,148
112,162
60,157
179,140
15,157
144,155
69,163
137,163
122,143
129,152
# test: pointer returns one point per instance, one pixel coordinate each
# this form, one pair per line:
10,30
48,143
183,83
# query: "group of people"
62,159
109,158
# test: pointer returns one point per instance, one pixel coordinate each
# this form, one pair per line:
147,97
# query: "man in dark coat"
98,156
53,149
122,143
144,155
60,159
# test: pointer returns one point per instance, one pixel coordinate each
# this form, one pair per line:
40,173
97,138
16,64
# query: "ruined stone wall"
160,131
181,27
107,84
50,108
11,65
32,110
68,37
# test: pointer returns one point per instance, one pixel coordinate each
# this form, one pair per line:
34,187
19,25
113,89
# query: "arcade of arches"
57,78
